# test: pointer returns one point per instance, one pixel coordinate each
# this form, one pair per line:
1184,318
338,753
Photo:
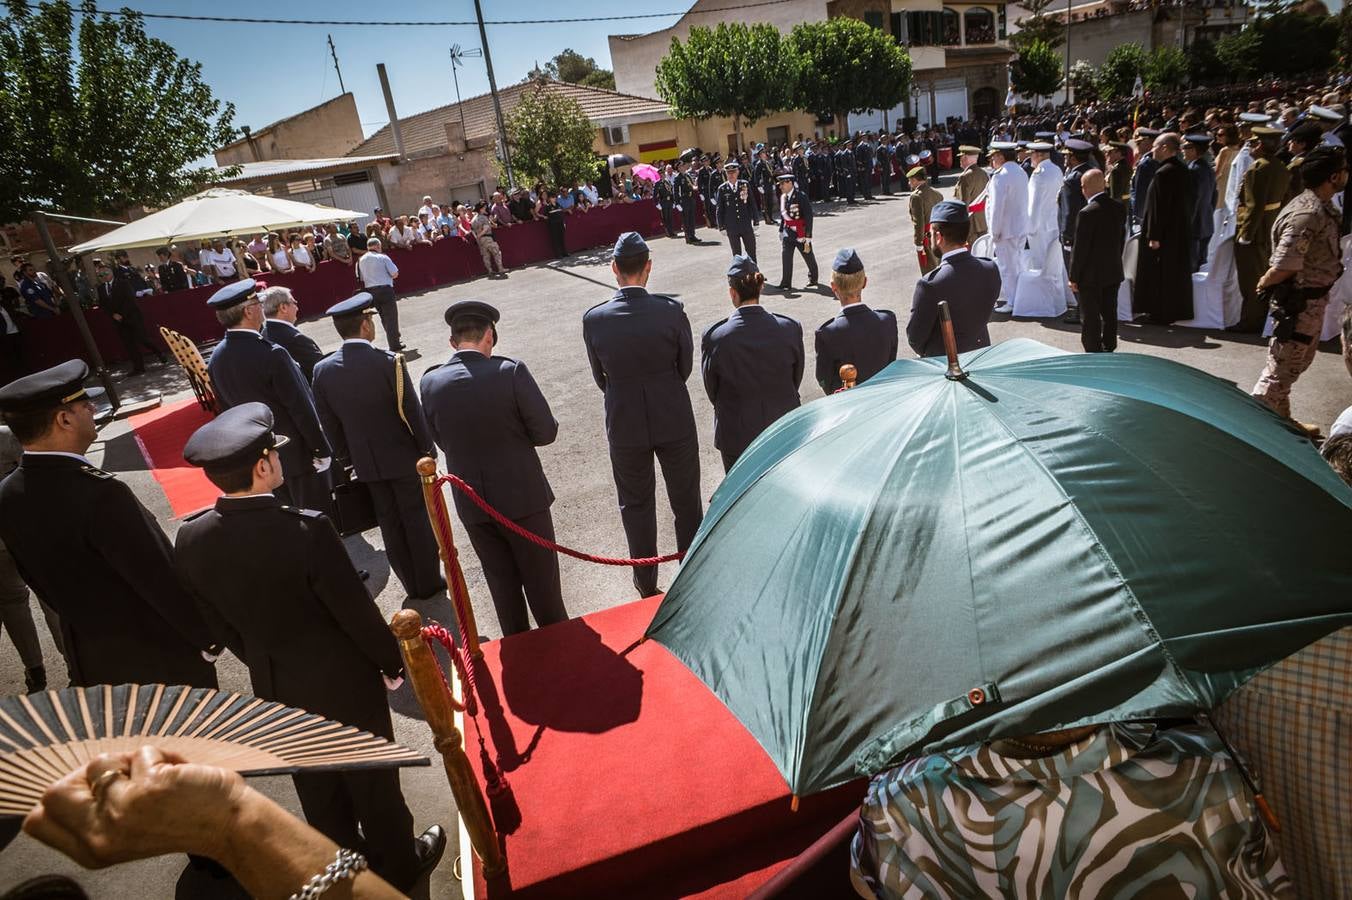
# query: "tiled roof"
427,130
276,168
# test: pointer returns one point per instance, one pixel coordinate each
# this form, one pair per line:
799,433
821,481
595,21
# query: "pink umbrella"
647,173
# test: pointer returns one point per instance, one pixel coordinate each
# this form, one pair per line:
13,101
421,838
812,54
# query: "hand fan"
44,737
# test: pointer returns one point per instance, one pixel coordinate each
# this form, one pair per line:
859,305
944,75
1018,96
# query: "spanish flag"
658,151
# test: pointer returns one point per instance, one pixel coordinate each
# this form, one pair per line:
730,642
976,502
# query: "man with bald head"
1096,263
1164,265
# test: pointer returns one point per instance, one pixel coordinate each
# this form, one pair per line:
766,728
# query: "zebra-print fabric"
1127,812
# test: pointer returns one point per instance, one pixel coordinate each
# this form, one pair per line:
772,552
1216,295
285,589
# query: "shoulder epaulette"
298,511
97,473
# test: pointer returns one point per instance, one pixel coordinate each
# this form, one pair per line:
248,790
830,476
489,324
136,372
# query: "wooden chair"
190,358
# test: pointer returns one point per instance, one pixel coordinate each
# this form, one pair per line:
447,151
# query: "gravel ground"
542,309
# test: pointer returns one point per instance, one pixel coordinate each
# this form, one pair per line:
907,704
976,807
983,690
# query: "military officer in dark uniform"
752,363
1070,201
687,199
884,157
488,415
737,211
863,337
795,231
711,198
844,162
969,283
801,173
282,310
278,587
763,179
863,165
89,550
642,351
666,201
366,402
247,367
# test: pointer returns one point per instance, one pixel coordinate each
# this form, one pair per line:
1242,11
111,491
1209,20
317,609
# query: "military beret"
471,308
629,245
847,262
1324,113
352,306
1040,146
965,148
237,437
949,212
233,294
1079,145
1252,117
742,266
1200,139
916,172
48,389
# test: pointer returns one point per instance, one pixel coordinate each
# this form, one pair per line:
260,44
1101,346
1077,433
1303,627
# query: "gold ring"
99,785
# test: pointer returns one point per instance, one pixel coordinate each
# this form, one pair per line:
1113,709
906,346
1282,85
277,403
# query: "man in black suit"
282,310
90,550
863,337
642,351
117,297
488,415
752,363
970,284
246,367
371,415
1096,264
1071,200
278,588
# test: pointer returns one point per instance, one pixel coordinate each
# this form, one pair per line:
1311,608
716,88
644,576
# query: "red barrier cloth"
628,777
51,341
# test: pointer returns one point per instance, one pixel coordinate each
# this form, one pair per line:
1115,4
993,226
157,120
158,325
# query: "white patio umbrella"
218,212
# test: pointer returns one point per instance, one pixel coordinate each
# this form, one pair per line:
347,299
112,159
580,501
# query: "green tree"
1203,63
1036,72
845,65
1166,68
550,138
736,70
1117,74
1038,26
1344,47
1292,42
96,116
1082,81
574,68
1239,52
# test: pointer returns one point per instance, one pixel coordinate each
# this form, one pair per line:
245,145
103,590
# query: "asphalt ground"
542,307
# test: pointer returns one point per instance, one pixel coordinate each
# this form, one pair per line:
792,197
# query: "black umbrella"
691,153
617,160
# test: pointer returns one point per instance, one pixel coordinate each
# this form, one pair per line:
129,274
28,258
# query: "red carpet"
628,777
161,434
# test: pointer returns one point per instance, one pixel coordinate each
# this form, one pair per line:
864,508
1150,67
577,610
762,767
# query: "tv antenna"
458,55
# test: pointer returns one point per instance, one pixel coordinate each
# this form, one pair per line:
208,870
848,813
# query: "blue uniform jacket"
752,363
302,348
355,395
488,415
642,351
971,285
863,337
246,367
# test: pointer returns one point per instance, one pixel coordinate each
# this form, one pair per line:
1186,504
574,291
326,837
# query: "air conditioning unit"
616,135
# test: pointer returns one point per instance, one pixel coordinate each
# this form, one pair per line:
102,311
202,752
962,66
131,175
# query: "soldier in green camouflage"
1306,252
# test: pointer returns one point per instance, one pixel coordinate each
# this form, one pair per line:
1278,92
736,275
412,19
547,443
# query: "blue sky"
271,71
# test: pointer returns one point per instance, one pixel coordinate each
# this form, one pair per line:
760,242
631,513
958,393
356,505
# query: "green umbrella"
1056,540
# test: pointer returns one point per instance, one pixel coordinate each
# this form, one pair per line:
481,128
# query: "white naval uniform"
1007,219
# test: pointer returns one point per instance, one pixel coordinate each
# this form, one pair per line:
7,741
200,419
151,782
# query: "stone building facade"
330,129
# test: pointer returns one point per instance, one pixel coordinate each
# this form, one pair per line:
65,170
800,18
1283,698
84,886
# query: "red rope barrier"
516,529
435,631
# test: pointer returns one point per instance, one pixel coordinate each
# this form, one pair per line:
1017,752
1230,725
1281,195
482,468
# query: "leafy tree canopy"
1117,74
550,138
745,72
1166,68
1294,42
1038,26
846,65
96,116
1082,81
1036,72
574,68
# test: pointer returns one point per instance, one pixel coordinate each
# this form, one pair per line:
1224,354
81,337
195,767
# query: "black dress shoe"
643,589
783,287
35,679
1072,317
428,847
